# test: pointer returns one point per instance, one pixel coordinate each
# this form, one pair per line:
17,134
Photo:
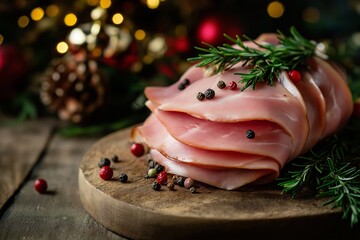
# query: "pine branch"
265,63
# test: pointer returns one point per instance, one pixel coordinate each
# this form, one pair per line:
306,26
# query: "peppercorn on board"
133,209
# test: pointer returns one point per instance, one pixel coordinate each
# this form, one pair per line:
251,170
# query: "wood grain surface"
19,152
136,211
57,214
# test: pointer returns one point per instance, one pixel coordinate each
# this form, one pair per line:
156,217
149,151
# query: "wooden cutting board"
136,211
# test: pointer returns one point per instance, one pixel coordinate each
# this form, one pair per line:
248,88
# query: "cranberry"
137,149
295,76
40,185
106,173
232,85
162,178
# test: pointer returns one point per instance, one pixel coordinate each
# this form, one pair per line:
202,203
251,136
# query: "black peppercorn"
250,134
181,86
123,178
159,168
156,186
221,84
186,82
200,96
209,94
180,181
104,162
115,158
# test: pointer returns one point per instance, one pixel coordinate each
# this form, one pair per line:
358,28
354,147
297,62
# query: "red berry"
232,85
162,178
295,76
40,185
106,173
137,149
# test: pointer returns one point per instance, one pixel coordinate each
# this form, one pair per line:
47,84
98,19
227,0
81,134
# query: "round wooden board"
136,211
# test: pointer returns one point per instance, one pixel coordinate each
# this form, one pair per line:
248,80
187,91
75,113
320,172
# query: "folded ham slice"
207,141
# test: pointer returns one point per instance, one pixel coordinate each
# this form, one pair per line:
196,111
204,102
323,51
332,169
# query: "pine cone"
74,89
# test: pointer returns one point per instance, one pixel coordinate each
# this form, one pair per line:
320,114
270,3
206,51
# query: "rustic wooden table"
32,150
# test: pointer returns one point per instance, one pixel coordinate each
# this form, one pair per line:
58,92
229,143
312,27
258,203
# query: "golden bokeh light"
117,18
23,21
37,14
92,2
152,4
52,10
140,34
70,19
275,9
1,39
105,3
62,47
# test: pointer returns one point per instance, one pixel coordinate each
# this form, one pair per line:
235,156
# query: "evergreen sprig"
265,63
332,170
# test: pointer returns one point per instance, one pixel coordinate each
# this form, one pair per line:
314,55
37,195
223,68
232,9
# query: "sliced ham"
206,140
222,178
156,137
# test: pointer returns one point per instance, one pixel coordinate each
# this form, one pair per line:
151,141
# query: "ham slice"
206,140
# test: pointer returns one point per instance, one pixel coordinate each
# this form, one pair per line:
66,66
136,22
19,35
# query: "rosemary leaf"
266,62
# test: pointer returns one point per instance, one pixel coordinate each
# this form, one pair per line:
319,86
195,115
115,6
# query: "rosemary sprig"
332,170
266,62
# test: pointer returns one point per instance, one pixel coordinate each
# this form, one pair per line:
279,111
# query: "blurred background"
87,62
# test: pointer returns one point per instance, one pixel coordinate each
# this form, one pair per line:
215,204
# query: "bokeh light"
209,30
140,34
275,9
62,47
1,39
37,14
70,19
52,10
117,18
105,3
92,2
23,21
152,4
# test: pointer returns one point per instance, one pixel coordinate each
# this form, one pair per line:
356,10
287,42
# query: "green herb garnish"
332,170
266,63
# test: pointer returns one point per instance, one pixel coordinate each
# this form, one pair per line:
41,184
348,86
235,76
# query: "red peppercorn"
295,76
106,173
137,149
162,178
40,185
232,85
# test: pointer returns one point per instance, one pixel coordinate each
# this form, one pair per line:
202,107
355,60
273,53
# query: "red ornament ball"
162,178
295,76
232,85
106,173
137,149
209,30
40,185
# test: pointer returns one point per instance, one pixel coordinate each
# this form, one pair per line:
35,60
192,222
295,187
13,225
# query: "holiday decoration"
74,88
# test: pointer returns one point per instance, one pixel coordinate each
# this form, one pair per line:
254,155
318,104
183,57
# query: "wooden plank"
138,212
20,147
59,213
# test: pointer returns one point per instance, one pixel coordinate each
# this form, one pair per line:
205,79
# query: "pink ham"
206,140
